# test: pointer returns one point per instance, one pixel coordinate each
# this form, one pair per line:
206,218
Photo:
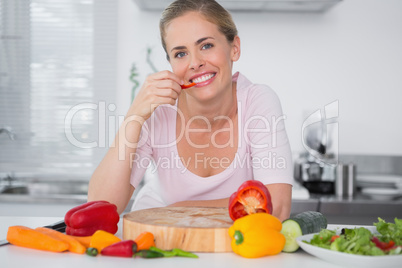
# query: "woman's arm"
111,179
281,197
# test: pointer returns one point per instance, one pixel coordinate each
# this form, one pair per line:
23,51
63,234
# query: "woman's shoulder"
253,93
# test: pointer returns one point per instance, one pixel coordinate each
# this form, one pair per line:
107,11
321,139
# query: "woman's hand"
159,88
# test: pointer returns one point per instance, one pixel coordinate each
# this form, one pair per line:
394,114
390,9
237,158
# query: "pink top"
263,152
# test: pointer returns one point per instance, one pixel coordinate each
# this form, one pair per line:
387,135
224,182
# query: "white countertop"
13,256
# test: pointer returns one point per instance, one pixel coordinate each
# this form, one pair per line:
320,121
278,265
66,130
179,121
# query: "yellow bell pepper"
257,235
101,239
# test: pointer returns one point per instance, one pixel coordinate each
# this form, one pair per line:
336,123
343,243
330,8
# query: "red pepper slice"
188,86
383,245
334,237
124,248
251,197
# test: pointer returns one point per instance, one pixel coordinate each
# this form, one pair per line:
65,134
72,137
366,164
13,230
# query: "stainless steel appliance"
316,168
316,175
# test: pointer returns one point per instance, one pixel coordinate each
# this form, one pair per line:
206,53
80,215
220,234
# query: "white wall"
352,53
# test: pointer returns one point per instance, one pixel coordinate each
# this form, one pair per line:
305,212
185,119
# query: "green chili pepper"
148,254
181,253
91,252
165,253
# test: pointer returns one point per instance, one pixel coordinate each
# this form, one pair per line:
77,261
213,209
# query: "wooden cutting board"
195,229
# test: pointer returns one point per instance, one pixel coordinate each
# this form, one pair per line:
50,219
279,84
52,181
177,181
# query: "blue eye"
179,55
207,46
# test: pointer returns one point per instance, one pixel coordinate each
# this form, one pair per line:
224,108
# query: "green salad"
361,241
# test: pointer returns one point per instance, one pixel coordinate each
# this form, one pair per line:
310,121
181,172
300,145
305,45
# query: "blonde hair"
210,9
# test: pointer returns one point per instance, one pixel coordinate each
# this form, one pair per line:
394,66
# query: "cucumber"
307,222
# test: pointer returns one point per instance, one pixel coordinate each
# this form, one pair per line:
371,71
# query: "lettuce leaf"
359,240
390,231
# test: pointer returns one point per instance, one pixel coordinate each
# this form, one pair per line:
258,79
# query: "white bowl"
378,180
399,185
382,193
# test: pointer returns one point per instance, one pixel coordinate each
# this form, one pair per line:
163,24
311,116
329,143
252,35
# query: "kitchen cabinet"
299,206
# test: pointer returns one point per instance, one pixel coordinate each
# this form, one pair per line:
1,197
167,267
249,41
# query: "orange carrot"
26,237
145,240
84,240
74,245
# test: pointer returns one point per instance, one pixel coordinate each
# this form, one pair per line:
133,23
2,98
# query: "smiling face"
198,52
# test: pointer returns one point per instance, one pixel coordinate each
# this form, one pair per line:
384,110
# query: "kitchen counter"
56,202
358,210
12,256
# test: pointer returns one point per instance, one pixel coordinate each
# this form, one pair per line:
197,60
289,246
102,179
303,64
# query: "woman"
204,140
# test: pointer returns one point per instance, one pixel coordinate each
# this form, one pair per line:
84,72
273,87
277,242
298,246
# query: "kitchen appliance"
316,176
316,168
345,183
197,229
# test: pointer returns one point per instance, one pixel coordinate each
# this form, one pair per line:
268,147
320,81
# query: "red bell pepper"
251,197
86,219
188,86
124,248
383,245
334,237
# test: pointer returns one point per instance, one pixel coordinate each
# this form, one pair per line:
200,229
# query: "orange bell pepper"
145,240
101,239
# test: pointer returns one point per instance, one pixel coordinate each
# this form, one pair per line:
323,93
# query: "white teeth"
203,78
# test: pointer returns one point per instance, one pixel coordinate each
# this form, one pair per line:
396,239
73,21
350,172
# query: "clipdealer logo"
83,113
255,126
320,134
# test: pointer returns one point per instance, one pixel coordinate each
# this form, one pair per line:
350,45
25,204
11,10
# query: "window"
57,79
